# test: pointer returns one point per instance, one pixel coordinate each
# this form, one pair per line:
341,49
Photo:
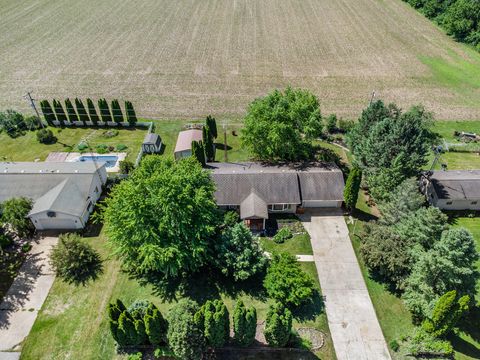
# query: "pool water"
109,160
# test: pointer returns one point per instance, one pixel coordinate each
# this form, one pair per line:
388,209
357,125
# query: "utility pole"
373,97
32,104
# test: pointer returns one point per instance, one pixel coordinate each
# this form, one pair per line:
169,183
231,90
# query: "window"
279,207
449,203
51,214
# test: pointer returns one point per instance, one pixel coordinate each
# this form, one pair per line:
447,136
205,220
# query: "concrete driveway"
25,297
354,326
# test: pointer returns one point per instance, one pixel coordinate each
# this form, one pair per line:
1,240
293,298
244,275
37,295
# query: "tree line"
460,18
88,114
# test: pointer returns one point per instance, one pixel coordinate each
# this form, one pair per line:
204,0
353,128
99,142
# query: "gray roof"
276,184
185,138
253,207
54,186
236,181
151,139
456,184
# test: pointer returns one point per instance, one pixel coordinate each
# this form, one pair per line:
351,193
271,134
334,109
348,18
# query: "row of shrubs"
189,329
87,115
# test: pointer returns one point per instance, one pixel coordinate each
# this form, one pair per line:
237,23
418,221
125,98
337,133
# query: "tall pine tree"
93,113
82,112
198,151
212,125
59,112
352,187
104,111
208,144
47,111
130,112
117,112
72,115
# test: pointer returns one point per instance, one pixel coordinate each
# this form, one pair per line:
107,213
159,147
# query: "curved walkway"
354,326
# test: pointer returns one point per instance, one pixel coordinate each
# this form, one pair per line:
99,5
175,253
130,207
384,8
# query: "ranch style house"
63,193
453,189
255,190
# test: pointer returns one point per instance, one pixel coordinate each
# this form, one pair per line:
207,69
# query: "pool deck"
70,157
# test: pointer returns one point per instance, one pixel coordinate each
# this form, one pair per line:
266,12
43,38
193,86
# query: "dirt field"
188,58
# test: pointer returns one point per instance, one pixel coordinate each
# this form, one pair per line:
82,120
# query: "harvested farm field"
189,58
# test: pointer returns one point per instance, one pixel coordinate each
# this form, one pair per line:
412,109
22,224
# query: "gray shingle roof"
457,184
236,181
276,184
63,186
151,139
253,207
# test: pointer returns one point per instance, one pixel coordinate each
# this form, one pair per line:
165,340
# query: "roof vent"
76,170
22,171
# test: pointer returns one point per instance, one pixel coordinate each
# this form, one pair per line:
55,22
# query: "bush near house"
244,324
278,326
14,216
75,261
45,136
286,282
282,235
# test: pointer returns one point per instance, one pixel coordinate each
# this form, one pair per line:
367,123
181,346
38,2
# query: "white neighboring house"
63,193
183,147
453,189
256,190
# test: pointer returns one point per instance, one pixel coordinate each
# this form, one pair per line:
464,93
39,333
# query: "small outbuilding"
453,189
183,148
63,193
152,144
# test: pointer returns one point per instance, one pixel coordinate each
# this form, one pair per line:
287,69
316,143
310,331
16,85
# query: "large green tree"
239,253
208,144
390,145
14,214
280,126
449,265
169,228
130,113
286,282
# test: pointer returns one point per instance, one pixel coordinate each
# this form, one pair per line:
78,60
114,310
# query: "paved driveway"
25,297
355,330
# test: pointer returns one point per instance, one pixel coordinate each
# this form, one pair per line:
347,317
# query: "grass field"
27,148
72,323
457,160
189,58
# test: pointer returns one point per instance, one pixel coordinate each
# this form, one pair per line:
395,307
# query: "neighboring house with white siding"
453,189
63,193
183,147
256,190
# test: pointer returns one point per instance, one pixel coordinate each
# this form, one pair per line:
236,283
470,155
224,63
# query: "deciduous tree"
166,231
280,126
14,213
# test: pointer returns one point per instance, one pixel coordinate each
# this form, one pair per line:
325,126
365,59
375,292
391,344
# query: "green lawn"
27,148
297,245
73,324
457,160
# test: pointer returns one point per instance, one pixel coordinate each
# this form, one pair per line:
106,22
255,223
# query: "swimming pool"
109,160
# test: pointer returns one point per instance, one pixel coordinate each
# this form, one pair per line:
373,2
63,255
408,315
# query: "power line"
28,96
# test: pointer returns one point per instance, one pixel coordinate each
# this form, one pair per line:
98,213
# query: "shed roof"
151,138
185,138
456,184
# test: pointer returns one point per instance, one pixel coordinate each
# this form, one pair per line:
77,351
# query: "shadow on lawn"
469,326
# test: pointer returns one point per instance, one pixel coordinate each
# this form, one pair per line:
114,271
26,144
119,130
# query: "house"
453,189
256,190
183,148
152,144
63,193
